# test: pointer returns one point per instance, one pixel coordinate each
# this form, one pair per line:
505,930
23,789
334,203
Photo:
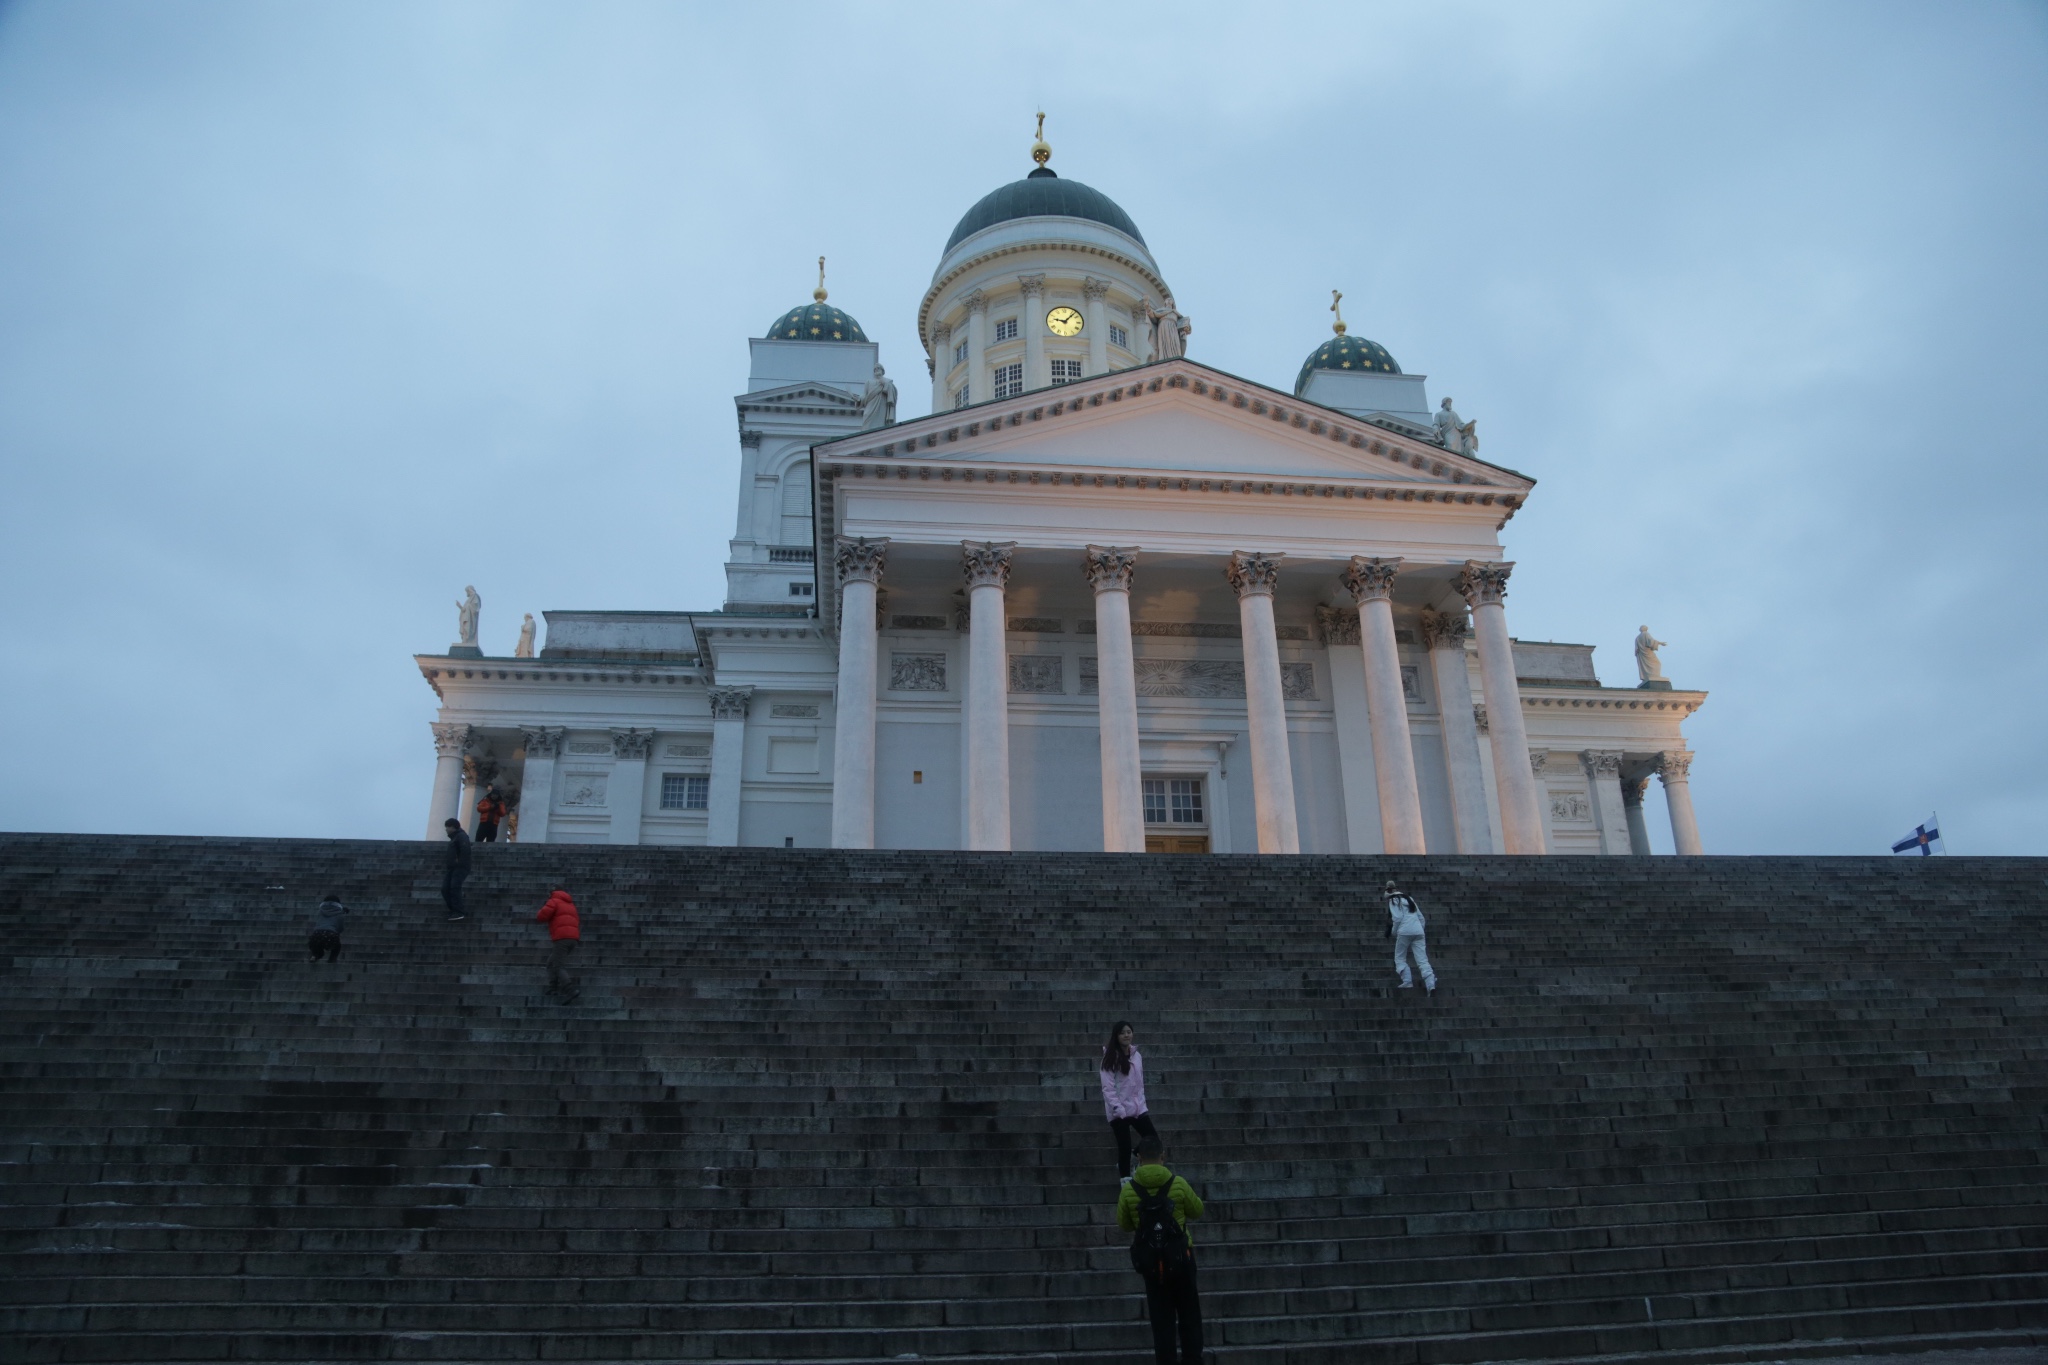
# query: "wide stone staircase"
821,1106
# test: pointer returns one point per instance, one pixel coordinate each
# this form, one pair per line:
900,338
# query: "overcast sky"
312,313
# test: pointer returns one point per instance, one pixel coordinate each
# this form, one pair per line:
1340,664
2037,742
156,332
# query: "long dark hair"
1115,1056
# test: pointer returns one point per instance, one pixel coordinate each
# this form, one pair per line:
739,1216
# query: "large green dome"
1042,194
815,322
1347,353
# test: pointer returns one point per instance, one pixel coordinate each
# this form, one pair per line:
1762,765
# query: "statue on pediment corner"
878,404
1458,436
1649,668
524,649
467,611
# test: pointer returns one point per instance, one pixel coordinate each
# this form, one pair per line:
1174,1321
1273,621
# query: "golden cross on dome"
1041,150
1337,297
819,292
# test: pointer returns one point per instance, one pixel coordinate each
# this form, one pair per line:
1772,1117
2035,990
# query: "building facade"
1103,597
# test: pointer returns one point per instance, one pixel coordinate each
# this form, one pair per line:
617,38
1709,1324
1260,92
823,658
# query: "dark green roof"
1347,353
1042,194
815,322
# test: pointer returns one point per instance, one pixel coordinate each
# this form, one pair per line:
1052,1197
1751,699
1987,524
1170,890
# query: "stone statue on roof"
1459,436
466,613
878,404
1170,328
524,649
1648,666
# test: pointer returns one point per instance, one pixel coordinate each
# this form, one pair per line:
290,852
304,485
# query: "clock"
1064,322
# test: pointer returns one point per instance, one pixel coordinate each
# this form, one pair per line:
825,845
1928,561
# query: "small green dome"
815,322
1346,353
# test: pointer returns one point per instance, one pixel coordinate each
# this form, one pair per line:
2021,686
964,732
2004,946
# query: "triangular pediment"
800,397
1174,417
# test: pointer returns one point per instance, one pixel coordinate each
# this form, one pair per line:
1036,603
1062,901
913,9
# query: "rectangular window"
1119,337
1006,330
685,791
801,590
960,398
1009,380
1173,800
1065,371
960,354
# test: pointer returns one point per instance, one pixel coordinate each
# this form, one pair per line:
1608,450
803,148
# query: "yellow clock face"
1064,322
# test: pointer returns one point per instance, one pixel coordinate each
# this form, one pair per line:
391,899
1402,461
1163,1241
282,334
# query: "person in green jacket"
1170,1293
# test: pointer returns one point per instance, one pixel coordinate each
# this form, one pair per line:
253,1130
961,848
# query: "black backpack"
1161,1247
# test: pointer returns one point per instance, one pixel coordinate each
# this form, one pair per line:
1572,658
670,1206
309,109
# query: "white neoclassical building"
1103,598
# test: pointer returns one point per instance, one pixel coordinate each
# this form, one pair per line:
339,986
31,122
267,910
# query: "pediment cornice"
974,432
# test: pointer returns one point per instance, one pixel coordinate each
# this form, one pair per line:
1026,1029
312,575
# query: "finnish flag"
1923,842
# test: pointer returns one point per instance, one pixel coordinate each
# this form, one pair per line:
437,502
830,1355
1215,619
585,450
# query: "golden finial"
819,292
1041,150
1337,297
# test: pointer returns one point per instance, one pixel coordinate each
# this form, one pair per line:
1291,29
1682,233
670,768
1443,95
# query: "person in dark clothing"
456,869
1171,1297
565,931
489,812
326,939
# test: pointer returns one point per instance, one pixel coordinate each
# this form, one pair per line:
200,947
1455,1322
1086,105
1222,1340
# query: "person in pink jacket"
1123,1093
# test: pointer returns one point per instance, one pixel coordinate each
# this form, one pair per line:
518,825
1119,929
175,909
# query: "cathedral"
1102,598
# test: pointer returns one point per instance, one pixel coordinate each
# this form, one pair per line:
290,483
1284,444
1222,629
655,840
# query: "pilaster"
1603,772
728,763
537,783
628,787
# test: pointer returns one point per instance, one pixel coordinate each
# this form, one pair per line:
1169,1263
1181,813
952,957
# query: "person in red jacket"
489,813
565,931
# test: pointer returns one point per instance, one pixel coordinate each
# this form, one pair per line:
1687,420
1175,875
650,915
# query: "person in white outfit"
1123,1092
1407,930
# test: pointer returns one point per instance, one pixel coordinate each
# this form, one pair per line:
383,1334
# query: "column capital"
1032,285
1444,629
941,333
1484,582
1479,718
1110,567
1253,573
1336,627
1601,762
986,563
1539,759
451,738
1674,766
632,744
1632,790
750,440
543,741
976,302
729,703
860,560
1370,579
1094,290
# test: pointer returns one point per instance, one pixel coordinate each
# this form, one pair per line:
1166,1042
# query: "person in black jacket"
457,868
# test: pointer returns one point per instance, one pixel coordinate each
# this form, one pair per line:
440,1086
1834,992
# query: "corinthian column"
986,566
978,388
1443,635
728,763
1674,770
1254,576
537,782
451,741
1483,584
1093,292
942,365
1371,582
859,563
1032,323
1110,571
1632,807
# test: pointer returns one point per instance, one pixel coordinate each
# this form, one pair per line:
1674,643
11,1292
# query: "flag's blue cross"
1922,838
